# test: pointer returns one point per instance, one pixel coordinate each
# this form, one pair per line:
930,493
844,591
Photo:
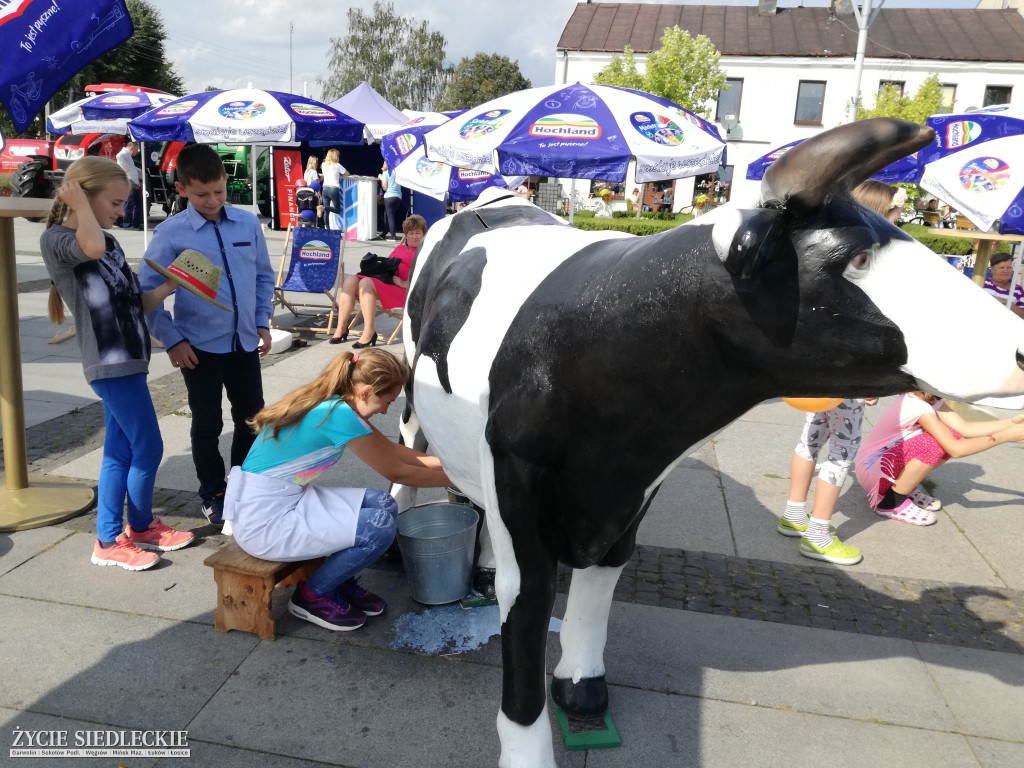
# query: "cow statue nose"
1020,359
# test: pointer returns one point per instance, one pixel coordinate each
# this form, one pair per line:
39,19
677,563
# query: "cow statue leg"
578,685
525,598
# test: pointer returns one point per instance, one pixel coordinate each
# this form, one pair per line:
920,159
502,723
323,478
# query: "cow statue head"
818,272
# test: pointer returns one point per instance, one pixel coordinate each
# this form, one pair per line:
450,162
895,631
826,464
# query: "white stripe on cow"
984,334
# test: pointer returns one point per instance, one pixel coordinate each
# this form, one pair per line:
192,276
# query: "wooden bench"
245,585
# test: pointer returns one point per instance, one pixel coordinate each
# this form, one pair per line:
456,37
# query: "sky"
232,43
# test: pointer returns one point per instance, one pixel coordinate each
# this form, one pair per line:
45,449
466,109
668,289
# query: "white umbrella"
974,165
580,132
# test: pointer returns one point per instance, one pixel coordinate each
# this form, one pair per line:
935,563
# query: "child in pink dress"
916,434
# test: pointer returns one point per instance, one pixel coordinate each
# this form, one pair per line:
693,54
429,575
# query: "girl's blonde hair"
332,156
378,369
311,163
877,196
93,174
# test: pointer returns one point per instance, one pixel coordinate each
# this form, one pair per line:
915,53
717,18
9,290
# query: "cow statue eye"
860,261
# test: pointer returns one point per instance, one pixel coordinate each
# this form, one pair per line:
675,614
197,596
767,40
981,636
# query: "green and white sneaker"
836,552
789,528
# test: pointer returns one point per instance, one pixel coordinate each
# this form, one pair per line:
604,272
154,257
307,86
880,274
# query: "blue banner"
46,42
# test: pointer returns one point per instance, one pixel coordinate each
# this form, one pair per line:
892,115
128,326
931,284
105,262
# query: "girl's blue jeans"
375,530
132,449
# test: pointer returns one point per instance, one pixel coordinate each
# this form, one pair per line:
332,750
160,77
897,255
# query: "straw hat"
195,273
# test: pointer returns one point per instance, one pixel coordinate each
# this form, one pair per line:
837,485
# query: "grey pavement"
725,647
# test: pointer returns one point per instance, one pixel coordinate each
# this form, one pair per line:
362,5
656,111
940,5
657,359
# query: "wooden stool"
245,585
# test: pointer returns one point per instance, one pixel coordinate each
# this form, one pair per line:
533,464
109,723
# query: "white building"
792,69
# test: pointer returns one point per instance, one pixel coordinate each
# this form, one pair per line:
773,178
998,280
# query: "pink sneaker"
124,554
160,537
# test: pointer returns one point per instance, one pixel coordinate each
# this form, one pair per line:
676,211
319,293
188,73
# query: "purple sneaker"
329,611
360,598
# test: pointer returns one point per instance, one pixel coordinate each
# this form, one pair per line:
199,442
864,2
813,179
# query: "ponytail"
58,212
55,305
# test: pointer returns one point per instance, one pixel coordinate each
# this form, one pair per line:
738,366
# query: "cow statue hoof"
587,698
483,582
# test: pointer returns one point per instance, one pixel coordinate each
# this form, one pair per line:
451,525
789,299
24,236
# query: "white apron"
276,520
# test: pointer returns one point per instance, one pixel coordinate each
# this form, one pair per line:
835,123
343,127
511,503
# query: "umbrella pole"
572,199
252,169
640,202
1015,278
273,197
145,198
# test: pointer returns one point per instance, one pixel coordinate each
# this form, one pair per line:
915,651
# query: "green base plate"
588,732
476,600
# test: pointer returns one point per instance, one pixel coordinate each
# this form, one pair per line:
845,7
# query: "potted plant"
699,203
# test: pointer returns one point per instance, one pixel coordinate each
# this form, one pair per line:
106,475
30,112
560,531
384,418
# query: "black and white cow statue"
560,375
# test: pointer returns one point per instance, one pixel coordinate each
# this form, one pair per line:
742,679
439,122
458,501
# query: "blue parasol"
45,43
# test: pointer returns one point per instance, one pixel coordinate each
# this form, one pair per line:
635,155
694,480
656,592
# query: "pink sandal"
909,512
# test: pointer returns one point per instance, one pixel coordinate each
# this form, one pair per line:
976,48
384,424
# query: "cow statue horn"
838,160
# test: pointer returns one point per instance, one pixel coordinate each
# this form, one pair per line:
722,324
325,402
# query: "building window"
810,102
997,94
896,85
729,98
948,97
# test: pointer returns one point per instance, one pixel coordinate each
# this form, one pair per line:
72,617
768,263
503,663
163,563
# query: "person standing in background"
133,205
331,192
392,201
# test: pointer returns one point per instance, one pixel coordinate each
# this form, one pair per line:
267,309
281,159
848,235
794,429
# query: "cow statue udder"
560,375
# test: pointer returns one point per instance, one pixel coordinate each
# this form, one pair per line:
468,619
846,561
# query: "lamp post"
865,18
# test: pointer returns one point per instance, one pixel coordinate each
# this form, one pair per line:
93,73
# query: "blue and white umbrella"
579,132
246,116
105,112
905,170
976,165
403,151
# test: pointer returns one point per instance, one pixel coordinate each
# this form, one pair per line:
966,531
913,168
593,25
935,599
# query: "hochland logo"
315,250
121,98
311,110
960,133
177,109
566,127
11,9
469,174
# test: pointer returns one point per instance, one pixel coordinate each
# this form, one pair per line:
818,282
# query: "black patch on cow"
634,350
450,280
457,287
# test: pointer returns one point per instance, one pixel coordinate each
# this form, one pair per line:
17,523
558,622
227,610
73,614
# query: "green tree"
481,78
891,101
684,69
140,60
404,60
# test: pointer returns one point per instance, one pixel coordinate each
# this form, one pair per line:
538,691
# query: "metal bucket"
437,542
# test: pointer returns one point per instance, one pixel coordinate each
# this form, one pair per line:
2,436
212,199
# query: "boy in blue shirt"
216,351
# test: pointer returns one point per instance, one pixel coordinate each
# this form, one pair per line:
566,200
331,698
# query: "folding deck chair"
315,260
397,312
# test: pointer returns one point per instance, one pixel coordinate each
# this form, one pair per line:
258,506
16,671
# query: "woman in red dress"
367,290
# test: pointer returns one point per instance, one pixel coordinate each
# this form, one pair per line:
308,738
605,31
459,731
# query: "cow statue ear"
746,244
